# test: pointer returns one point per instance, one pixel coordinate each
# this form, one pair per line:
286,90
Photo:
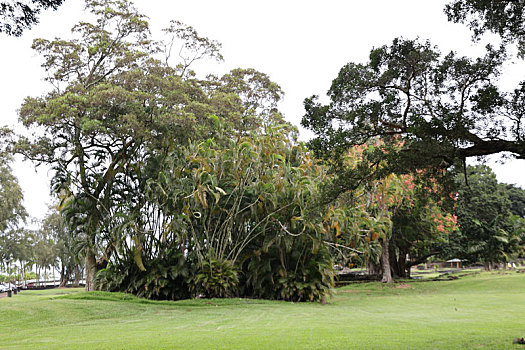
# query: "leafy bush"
245,205
215,279
163,279
299,273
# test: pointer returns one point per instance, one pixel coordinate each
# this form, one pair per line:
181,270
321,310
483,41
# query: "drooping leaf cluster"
227,219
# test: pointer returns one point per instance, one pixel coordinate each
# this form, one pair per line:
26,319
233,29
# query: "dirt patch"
402,286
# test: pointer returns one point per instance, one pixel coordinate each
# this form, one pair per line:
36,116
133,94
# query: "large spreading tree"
445,108
442,108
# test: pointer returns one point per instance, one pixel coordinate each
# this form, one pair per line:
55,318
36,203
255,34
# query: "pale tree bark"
78,272
385,262
24,267
91,270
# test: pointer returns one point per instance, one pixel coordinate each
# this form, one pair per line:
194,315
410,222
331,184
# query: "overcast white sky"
301,45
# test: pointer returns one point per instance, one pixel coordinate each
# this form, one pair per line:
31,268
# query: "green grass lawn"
485,311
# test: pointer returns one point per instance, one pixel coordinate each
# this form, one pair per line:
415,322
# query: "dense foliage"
444,108
402,219
489,232
430,112
173,185
116,103
237,218
168,181
12,215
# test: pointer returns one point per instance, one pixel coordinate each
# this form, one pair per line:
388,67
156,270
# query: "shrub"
296,274
164,279
215,279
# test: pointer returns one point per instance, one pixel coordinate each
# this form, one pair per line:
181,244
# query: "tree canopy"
401,219
444,108
505,18
162,172
441,109
17,16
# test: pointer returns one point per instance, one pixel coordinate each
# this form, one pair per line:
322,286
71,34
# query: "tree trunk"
404,262
402,265
373,268
91,271
394,260
24,272
64,277
398,261
385,262
77,275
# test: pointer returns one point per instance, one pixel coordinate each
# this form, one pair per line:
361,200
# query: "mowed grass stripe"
482,311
